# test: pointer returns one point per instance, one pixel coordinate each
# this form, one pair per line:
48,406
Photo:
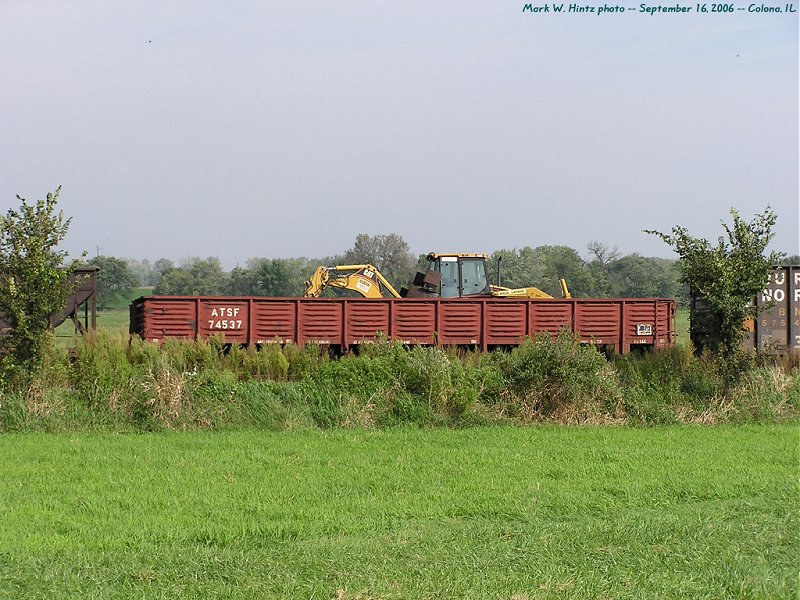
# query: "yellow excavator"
449,275
366,280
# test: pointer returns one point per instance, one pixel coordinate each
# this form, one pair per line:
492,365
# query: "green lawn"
123,303
682,325
540,512
115,318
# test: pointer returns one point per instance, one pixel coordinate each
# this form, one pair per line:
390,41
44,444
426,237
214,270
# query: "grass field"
539,512
114,319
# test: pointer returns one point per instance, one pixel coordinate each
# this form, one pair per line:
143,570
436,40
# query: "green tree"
273,278
390,253
726,277
518,268
261,277
635,276
242,282
209,278
33,283
196,277
161,266
299,270
543,267
175,282
115,281
563,262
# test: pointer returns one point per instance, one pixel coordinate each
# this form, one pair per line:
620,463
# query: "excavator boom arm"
365,280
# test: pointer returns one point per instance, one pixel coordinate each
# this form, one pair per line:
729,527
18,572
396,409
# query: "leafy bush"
726,277
549,377
33,284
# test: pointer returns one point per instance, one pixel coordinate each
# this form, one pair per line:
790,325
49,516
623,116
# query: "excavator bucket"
424,285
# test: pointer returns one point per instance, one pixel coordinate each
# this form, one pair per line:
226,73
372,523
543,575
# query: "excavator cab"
461,274
464,275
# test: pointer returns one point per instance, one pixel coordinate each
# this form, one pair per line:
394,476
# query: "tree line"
602,272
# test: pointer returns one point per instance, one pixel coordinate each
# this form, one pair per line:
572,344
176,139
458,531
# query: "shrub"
676,386
545,377
33,284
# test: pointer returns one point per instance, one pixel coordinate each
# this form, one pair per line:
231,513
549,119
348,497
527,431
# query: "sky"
278,129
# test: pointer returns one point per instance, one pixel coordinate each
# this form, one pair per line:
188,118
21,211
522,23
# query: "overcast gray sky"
277,129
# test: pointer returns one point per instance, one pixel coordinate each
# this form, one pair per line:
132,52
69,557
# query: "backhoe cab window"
466,277
449,278
473,276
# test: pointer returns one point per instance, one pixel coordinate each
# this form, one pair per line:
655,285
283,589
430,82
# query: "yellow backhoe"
449,275
367,280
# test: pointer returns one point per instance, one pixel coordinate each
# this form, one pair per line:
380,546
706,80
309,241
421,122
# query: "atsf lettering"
225,311
221,318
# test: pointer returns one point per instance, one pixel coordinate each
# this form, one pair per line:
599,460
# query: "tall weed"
101,373
120,383
676,386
